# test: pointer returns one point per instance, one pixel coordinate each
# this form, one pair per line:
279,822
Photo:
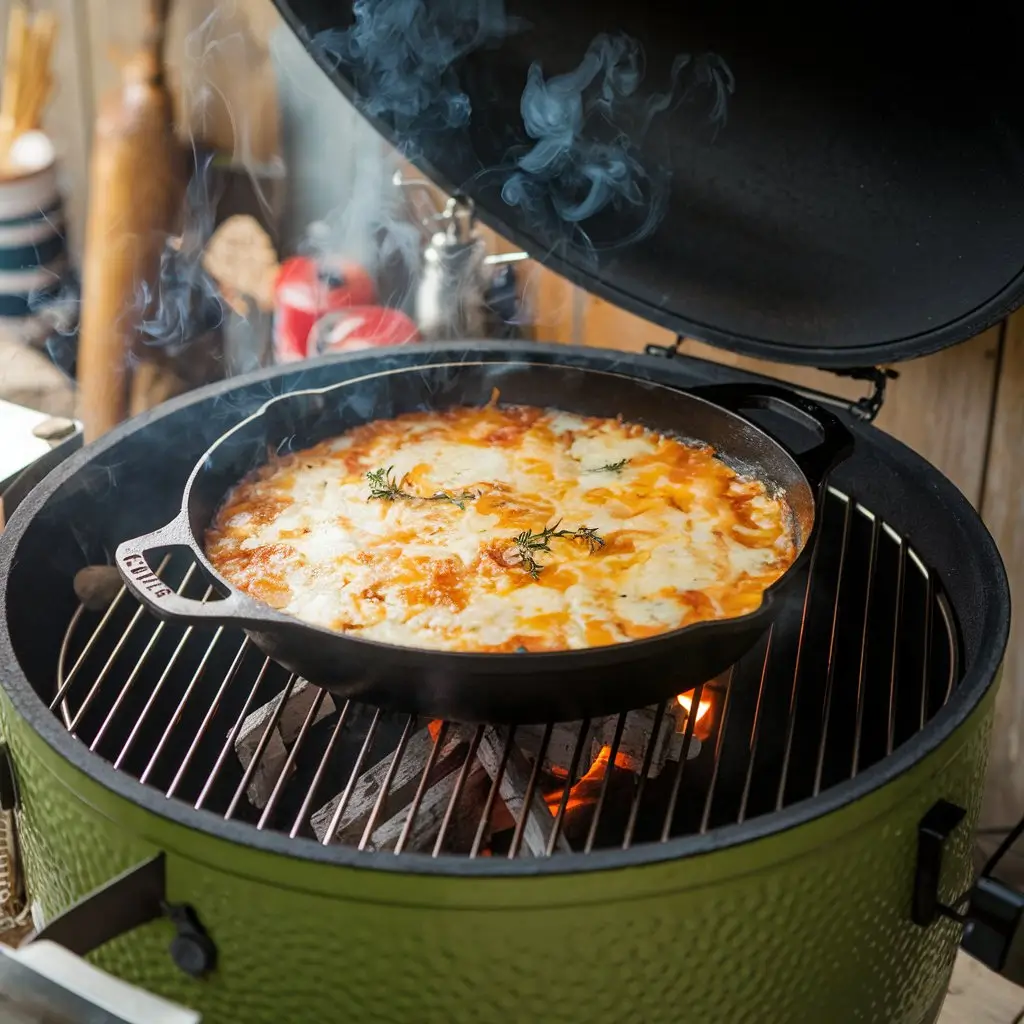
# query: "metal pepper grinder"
458,275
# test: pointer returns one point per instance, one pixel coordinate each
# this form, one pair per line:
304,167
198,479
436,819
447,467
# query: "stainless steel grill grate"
849,671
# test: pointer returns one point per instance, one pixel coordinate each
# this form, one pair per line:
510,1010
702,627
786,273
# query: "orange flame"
686,703
588,786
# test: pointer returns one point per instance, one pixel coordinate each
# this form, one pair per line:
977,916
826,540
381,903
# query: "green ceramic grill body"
810,924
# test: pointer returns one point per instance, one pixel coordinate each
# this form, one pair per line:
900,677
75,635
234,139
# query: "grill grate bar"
232,736
321,770
293,755
831,689
155,692
460,784
830,671
385,788
531,789
602,797
755,731
261,747
705,817
794,696
571,778
176,716
677,779
634,810
926,649
862,670
901,571
421,788
353,778
64,684
204,725
492,794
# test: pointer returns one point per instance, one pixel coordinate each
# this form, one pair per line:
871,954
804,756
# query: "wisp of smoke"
403,54
588,127
185,302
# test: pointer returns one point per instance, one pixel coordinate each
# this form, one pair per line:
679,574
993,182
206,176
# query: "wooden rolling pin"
136,181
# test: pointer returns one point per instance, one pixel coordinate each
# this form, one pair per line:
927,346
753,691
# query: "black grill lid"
824,186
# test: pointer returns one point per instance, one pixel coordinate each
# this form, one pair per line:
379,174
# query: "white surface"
99,988
18,447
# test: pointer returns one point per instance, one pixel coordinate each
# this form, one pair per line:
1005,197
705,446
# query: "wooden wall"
962,409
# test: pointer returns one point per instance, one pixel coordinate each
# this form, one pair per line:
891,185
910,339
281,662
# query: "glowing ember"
686,702
588,787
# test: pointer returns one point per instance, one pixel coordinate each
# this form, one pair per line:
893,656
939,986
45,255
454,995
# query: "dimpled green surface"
808,925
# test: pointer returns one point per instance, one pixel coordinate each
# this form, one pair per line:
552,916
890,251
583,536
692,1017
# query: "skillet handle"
836,441
236,609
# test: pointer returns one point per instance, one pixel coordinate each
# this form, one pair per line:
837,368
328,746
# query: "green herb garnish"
611,467
528,543
384,487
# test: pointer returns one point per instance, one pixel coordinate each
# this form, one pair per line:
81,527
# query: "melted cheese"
675,536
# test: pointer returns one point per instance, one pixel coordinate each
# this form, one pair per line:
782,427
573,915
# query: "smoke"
402,55
588,128
185,303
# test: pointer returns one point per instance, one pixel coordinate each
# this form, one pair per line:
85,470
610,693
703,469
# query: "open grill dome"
805,184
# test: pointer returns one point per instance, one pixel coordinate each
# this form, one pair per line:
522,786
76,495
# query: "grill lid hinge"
865,408
933,831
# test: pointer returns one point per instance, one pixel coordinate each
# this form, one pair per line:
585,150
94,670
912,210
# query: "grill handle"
836,442
234,608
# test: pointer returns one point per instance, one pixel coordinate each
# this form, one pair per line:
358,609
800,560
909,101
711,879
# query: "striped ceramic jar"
32,250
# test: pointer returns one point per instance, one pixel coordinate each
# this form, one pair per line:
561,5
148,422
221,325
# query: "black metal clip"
933,831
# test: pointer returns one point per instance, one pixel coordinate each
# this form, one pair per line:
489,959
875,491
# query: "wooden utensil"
136,185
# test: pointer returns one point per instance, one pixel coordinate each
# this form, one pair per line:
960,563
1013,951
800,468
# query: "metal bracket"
865,409
134,898
992,933
933,831
9,800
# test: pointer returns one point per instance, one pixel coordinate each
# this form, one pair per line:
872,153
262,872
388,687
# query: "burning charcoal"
430,813
635,736
294,713
403,785
512,790
286,729
270,766
96,586
561,746
583,797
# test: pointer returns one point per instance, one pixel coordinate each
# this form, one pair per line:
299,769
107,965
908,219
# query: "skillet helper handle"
143,583
836,441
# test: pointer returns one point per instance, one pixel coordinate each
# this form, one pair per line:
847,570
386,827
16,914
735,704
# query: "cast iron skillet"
465,686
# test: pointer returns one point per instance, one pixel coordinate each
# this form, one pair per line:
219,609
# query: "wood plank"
978,996
939,406
1002,507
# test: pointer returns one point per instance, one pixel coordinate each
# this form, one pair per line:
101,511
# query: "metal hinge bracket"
134,898
866,408
933,832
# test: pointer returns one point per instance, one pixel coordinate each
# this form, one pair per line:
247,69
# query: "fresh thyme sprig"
385,487
611,467
528,543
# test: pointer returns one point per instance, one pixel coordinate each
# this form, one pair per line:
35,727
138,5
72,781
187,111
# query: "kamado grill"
787,841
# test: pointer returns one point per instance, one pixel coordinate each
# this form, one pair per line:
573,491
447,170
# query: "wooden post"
135,189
